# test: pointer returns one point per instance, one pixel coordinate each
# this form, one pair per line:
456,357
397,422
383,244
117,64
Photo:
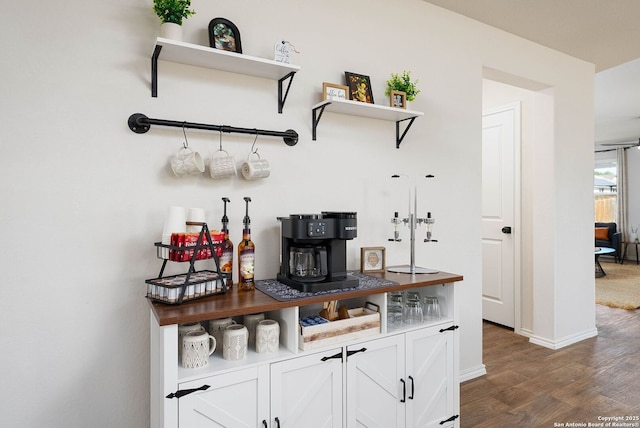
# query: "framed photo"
372,259
224,35
331,90
359,87
398,99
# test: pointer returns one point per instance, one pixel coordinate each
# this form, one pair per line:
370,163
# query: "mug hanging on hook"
222,164
255,167
186,161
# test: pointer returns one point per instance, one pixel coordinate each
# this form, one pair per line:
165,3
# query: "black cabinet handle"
404,391
506,230
338,355
350,353
277,422
264,423
412,388
452,418
453,327
182,392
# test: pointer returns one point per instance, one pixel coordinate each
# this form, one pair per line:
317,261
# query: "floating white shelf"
374,111
206,57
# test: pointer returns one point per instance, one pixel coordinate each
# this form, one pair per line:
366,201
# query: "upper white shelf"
206,57
374,111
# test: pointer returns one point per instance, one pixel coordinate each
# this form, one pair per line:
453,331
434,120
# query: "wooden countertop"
235,302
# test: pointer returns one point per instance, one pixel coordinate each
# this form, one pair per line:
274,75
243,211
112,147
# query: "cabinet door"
237,399
307,392
375,388
430,383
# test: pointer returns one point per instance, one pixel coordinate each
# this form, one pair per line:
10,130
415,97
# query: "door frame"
516,107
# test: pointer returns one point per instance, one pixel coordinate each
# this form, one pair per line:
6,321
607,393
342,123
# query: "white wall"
84,197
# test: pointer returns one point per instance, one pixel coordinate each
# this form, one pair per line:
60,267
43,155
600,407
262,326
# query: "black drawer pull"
452,418
453,327
404,391
412,388
338,355
350,353
277,422
182,392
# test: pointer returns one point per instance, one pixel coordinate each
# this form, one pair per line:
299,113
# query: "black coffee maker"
314,250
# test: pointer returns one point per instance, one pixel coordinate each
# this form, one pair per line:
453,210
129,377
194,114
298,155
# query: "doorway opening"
531,106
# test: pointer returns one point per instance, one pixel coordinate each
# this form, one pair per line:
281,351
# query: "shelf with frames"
373,111
206,57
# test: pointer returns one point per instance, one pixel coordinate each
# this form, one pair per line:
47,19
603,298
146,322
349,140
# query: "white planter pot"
172,31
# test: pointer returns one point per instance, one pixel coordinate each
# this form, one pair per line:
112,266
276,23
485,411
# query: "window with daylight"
605,191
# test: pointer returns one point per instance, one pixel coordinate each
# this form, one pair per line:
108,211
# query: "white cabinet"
236,399
430,377
398,378
374,386
300,392
307,392
403,380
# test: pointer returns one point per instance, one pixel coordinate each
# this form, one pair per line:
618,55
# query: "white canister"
251,321
267,336
197,346
234,342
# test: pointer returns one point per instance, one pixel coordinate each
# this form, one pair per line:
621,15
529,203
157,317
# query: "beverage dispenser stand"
413,222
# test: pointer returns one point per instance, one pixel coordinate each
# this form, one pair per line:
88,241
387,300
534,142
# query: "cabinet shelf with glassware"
373,111
193,284
256,371
218,59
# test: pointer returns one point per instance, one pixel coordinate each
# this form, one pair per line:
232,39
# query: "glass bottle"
226,258
246,255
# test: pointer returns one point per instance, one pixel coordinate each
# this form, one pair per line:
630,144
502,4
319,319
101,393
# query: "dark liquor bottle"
246,255
226,258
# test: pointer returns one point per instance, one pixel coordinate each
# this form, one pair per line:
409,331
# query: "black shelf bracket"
139,123
399,137
316,115
315,118
154,71
282,99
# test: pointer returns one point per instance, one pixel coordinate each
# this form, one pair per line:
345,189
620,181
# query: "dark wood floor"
531,386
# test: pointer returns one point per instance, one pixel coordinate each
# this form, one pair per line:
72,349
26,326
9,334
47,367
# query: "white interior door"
500,134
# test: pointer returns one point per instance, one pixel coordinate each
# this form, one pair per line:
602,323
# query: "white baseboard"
472,373
525,332
557,344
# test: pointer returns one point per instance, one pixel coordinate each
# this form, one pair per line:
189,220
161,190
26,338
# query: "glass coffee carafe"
308,264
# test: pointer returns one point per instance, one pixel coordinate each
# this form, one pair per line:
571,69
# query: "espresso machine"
314,250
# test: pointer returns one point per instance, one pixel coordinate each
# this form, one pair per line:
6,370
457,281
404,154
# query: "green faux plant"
402,82
173,10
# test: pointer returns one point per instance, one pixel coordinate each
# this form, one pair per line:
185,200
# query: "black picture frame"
359,87
224,35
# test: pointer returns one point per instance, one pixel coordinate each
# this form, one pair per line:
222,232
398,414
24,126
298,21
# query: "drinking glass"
431,308
413,312
394,317
413,296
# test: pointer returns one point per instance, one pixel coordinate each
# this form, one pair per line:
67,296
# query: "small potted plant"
172,12
402,82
